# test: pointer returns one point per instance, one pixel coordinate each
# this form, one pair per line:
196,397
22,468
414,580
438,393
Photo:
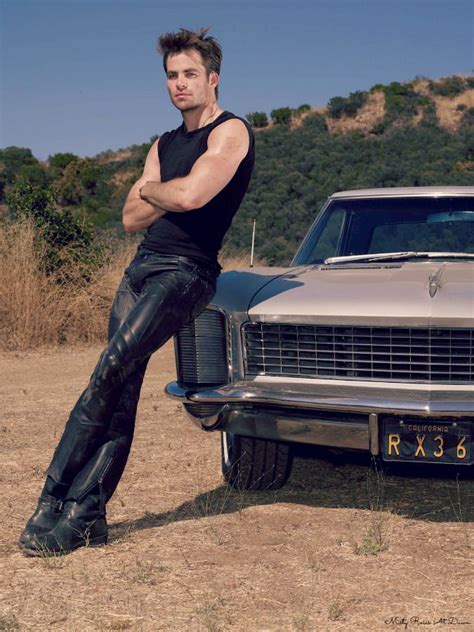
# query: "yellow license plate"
434,442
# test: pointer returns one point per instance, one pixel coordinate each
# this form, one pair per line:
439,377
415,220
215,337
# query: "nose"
181,84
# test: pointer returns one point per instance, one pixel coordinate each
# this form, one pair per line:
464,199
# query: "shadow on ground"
322,479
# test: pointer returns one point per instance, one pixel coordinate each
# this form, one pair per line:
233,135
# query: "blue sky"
83,75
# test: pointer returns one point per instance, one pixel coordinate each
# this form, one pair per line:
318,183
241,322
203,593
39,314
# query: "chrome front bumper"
282,411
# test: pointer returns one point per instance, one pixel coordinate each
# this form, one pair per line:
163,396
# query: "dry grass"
238,261
446,109
341,547
121,177
114,156
38,310
25,294
188,554
298,119
371,113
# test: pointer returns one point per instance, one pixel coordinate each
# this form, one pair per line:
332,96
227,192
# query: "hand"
147,191
142,191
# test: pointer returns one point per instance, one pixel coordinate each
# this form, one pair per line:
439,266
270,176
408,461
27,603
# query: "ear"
214,79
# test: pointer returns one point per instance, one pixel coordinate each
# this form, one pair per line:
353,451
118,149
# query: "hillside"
449,109
399,134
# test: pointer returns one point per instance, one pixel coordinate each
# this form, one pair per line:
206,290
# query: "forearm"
213,170
138,214
174,195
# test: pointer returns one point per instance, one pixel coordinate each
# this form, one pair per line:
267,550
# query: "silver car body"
334,411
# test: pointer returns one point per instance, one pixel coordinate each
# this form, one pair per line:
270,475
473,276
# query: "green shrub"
349,106
281,116
336,107
429,114
64,238
401,101
448,87
377,87
305,107
18,163
257,119
316,121
58,162
468,118
379,128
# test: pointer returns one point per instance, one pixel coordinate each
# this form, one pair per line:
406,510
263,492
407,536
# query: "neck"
199,117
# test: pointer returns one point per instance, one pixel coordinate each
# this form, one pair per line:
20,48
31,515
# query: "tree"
257,119
18,163
60,161
281,116
14,159
336,107
68,187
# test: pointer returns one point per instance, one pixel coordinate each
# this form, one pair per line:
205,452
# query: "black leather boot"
83,521
47,512
80,524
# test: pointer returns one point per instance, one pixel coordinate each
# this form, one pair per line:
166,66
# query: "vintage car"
365,342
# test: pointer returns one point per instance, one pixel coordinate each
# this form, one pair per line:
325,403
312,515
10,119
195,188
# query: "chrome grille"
361,353
201,351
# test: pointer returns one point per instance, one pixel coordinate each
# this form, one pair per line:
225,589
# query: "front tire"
254,464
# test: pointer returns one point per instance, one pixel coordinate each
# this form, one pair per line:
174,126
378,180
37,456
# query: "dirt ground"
340,547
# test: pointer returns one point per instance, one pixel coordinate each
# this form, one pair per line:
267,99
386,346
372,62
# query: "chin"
185,107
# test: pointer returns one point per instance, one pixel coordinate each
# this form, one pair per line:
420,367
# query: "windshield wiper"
393,256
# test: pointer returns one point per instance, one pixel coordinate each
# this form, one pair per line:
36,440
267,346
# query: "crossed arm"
149,198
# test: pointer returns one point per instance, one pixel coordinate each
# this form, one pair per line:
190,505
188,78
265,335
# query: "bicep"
227,147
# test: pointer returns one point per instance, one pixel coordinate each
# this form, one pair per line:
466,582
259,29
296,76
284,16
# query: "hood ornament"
435,281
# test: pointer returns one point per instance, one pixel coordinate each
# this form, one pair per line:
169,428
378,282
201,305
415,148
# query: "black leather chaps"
157,296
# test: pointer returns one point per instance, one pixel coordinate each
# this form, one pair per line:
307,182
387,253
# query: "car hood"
414,293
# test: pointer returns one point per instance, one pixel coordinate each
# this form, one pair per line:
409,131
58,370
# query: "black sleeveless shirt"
197,234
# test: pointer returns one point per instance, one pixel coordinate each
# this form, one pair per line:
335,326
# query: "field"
341,547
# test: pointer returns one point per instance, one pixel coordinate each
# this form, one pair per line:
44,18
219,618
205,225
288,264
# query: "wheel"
254,464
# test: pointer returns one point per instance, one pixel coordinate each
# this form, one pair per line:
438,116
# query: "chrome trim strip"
279,427
341,320
424,404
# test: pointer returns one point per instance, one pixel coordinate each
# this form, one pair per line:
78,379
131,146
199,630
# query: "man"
192,184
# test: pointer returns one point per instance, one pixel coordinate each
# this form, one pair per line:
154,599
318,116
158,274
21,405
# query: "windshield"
390,225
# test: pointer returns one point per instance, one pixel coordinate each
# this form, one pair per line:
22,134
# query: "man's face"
188,83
